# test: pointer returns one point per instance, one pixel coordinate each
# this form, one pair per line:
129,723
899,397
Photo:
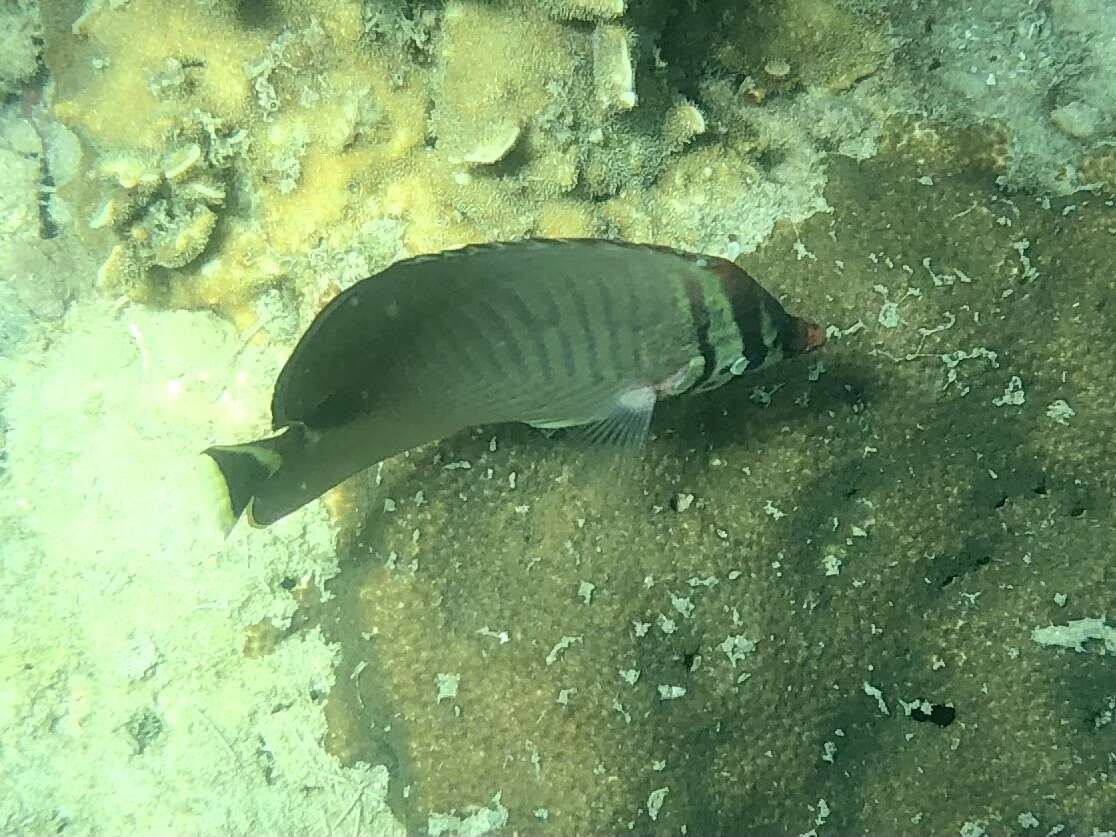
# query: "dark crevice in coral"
47,227
32,105
257,14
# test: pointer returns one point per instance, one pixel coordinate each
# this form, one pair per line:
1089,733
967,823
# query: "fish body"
550,332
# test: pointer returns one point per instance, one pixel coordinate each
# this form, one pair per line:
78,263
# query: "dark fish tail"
246,468
268,479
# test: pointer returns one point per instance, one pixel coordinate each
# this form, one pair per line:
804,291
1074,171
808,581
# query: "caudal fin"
244,469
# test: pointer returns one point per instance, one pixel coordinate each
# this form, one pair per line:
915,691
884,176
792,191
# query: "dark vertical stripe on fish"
746,302
502,335
527,321
589,340
559,330
700,315
471,347
473,335
464,328
631,305
608,323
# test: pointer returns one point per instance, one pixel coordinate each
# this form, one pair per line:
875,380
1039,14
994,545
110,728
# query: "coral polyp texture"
227,142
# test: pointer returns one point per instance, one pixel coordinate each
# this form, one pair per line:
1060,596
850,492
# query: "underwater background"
869,591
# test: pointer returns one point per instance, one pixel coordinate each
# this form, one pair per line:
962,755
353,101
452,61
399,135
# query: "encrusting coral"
241,138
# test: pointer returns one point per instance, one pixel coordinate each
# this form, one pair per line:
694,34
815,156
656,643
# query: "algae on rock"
814,43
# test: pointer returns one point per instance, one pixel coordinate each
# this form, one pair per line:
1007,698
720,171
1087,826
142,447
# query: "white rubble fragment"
447,685
836,332
683,604
1060,412
1076,633
612,68
562,644
491,634
1027,820
585,591
954,359
655,802
494,147
478,822
773,511
1013,395
706,581
873,691
737,647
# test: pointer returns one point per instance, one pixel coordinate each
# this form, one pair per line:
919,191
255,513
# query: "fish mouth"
815,336
809,336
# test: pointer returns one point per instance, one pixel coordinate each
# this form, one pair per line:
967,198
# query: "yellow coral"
613,74
181,161
499,71
181,245
683,122
568,219
341,19
227,280
583,9
293,220
117,107
117,272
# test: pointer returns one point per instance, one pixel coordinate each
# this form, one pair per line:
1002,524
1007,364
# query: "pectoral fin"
625,426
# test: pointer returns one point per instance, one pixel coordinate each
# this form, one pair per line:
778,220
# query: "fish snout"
807,337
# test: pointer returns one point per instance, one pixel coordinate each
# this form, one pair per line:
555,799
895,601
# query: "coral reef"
239,142
138,656
727,648
20,40
814,604
812,43
1041,72
299,125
